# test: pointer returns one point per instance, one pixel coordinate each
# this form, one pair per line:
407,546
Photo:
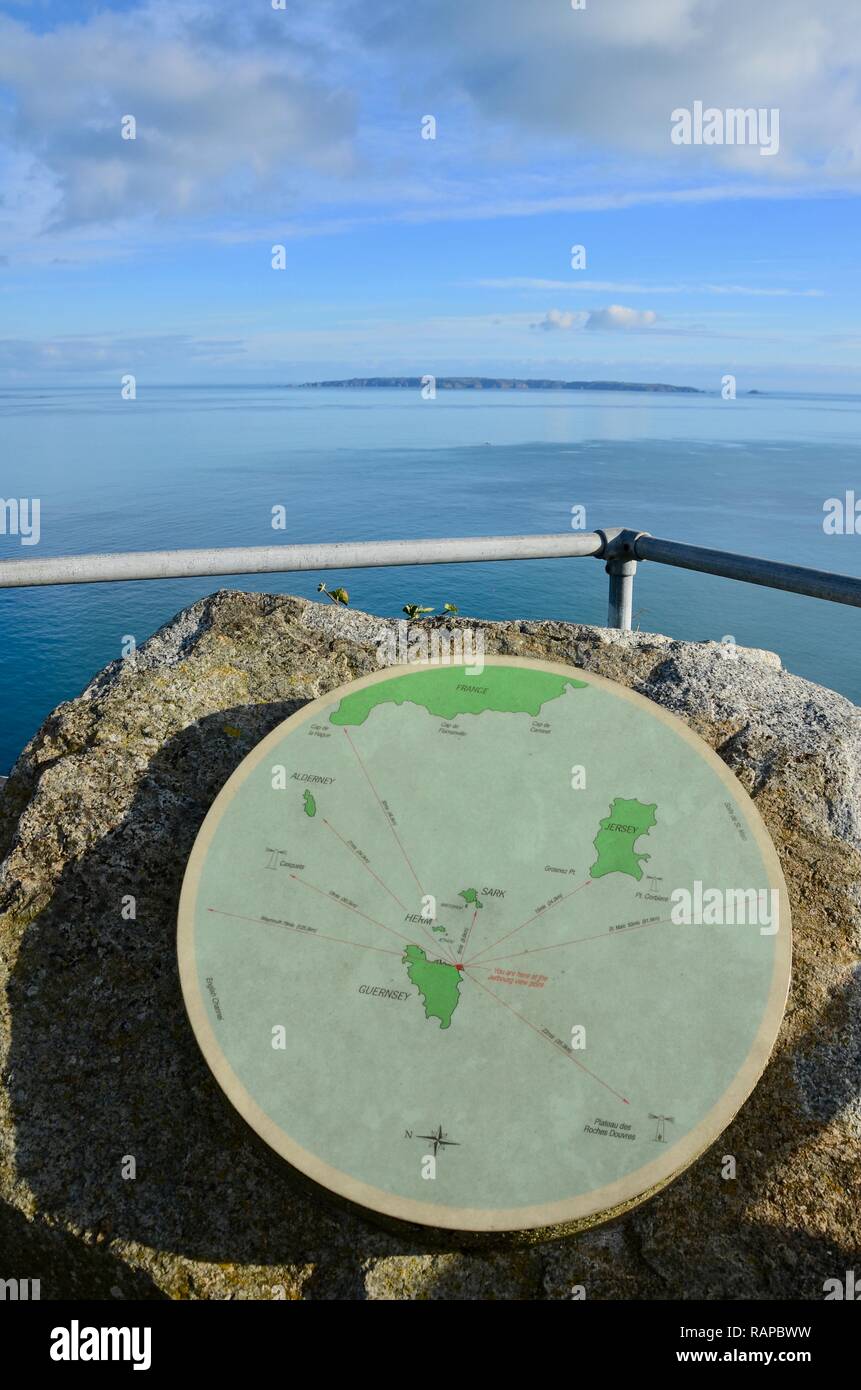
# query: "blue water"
198,466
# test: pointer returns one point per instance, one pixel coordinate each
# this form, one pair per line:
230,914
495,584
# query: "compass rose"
439,1140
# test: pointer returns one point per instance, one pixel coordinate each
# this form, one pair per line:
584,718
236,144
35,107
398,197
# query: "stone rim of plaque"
541,1221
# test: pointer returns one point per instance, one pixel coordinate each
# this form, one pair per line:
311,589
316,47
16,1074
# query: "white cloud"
312,114
616,316
215,118
561,318
610,75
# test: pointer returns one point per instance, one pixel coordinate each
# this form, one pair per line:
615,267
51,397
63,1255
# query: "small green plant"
336,595
450,608
415,612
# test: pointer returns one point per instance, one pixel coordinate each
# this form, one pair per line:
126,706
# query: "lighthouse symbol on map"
662,1120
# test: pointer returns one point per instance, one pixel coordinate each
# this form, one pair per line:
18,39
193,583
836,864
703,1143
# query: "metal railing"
621,550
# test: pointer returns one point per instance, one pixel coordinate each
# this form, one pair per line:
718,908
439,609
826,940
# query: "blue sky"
257,126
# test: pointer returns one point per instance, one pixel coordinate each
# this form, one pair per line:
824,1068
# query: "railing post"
621,574
619,551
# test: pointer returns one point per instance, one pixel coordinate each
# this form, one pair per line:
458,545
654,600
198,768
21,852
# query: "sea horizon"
750,476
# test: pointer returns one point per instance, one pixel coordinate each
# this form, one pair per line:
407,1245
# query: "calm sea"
193,466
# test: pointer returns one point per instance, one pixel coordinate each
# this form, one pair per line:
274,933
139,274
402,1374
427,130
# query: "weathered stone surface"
98,1061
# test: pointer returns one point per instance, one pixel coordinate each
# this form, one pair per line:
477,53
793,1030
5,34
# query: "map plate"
485,950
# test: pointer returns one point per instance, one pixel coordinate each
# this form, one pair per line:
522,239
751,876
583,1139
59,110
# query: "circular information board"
485,948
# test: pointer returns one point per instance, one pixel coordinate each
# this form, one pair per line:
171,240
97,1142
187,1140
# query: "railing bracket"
619,551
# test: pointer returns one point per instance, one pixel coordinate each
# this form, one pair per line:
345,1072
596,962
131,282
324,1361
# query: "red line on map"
533,918
443,946
575,941
556,1048
337,902
436,945
384,811
469,934
261,921
481,965
365,866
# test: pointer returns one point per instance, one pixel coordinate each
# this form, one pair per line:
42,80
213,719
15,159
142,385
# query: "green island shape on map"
447,692
437,983
310,804
619,831
469,895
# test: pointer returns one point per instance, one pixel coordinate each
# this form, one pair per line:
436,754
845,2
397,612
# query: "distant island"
498,383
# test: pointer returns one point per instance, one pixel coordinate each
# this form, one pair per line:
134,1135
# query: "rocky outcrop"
98,1061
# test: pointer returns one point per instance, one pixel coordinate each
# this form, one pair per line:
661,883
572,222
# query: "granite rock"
99,1063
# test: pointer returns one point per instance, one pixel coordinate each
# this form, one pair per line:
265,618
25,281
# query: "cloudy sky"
302,127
